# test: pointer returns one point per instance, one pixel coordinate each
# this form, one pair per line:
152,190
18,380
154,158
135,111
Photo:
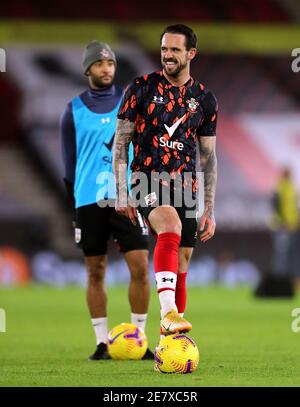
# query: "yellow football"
127,342
176,353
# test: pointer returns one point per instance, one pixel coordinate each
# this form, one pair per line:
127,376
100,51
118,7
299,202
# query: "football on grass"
176,354
127,342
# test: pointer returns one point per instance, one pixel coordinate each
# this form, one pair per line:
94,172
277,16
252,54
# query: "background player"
164,114
87,132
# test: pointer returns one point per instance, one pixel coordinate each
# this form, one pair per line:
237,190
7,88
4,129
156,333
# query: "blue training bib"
94,178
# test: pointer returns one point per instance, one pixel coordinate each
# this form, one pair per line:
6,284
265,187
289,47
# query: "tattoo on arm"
208,163
124,132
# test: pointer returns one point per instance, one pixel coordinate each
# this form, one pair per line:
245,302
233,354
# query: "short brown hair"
190,36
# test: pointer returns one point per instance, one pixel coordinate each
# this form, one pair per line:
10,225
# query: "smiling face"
175,58
101,73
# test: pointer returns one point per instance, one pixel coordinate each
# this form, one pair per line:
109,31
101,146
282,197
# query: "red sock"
180,295
166,252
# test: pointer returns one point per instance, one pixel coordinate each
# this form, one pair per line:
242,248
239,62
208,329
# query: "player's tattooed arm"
208,164
124,133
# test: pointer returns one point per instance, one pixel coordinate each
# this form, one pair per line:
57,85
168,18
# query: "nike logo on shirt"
172,129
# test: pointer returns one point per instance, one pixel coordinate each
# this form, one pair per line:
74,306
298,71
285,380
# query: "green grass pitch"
242,341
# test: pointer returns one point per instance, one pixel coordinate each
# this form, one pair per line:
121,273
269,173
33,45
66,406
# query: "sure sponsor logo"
175,145
171,129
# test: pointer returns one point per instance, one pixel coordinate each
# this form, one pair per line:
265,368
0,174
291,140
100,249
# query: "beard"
102,81
175,69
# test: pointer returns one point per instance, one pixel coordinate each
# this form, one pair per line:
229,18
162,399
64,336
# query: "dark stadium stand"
29,210
215,10
279,70
247,84
10,108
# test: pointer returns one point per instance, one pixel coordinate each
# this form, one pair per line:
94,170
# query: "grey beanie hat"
96,51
